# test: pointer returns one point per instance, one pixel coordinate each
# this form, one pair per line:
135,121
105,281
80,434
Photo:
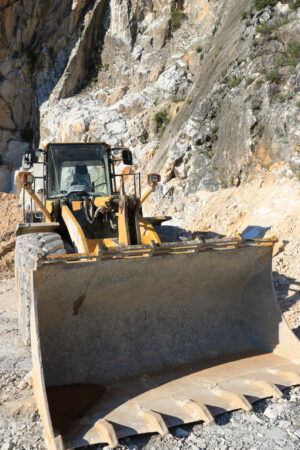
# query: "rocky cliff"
37,39
206,92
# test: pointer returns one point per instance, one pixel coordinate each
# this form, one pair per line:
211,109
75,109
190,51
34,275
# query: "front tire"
28,247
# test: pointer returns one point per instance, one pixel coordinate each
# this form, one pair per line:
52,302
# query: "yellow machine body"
130,339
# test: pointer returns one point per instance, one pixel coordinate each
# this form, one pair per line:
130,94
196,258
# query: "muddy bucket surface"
124,344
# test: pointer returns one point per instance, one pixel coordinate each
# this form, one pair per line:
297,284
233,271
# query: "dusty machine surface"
130,334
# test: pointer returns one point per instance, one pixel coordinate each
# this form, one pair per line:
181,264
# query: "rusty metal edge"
161,249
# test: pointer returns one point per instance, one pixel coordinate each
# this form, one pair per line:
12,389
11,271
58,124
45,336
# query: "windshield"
78,164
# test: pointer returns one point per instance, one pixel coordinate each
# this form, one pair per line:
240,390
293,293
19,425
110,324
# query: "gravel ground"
20,425
273,424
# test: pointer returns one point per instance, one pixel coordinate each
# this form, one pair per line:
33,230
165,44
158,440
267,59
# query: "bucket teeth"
266,388
154,421
198,411
290,377
107,433
236,401
56,442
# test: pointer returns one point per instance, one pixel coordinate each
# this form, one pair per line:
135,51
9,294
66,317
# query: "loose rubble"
268,205
10,215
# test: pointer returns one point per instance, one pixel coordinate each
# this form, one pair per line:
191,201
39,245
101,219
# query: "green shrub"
177,99
145,137
291,57
209,151
294,4
261,4
199,49
176,18
249,81
280,61
235,81
294,49
162,119
162,132
273,76
211,139
267,29
259,83
264,29
259,129
244,15
281,98
256,105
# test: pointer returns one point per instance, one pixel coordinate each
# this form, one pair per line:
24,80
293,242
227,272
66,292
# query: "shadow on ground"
287,290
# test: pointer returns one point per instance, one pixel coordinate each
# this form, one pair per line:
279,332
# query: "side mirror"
27,161
127,157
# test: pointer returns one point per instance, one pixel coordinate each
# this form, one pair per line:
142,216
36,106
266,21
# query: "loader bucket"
142,339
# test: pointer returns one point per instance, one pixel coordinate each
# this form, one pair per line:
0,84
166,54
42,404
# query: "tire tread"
28,247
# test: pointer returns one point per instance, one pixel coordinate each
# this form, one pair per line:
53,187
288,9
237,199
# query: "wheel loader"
130,334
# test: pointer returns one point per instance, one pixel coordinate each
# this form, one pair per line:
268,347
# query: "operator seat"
81,176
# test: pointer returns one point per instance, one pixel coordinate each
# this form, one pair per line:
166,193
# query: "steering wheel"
100,184
77,189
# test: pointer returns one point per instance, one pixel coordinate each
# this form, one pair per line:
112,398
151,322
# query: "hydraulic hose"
89,217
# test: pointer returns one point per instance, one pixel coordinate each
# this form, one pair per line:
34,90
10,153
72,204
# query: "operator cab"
78,168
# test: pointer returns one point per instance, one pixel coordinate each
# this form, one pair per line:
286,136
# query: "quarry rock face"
36,39
206,92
